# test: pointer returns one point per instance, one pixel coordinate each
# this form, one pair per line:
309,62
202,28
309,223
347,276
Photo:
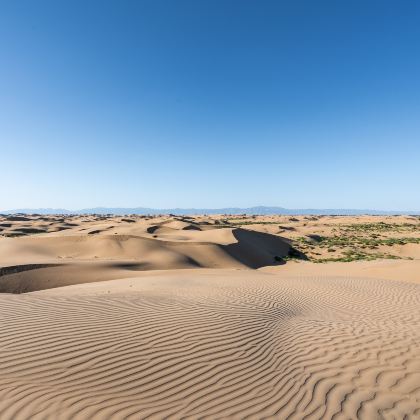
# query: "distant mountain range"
260,210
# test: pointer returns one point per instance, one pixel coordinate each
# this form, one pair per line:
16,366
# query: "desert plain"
128,317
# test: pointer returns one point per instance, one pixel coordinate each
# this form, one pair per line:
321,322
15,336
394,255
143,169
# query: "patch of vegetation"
346,241
353,245
381,227
356,256
293,254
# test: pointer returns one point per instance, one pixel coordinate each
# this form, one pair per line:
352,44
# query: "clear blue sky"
210,103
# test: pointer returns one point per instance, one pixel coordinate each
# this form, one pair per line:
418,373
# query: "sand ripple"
244,345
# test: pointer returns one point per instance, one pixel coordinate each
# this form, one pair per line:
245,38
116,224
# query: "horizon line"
216,210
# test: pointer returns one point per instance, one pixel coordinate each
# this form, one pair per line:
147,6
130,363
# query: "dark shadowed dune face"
256,250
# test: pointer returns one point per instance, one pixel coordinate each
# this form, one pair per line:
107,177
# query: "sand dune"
200,344
97,253
209,317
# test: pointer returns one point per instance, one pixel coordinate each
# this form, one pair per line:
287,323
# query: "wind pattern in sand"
241,346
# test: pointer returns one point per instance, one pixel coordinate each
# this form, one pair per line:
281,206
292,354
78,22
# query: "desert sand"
209,317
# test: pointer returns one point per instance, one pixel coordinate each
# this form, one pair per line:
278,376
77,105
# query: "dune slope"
212,344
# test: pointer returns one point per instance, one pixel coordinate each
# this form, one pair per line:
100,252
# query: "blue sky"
210,103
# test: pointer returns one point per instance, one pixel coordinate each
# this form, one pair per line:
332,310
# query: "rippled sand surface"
212,344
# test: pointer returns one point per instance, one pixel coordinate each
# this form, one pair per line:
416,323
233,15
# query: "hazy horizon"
265,210
209,104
